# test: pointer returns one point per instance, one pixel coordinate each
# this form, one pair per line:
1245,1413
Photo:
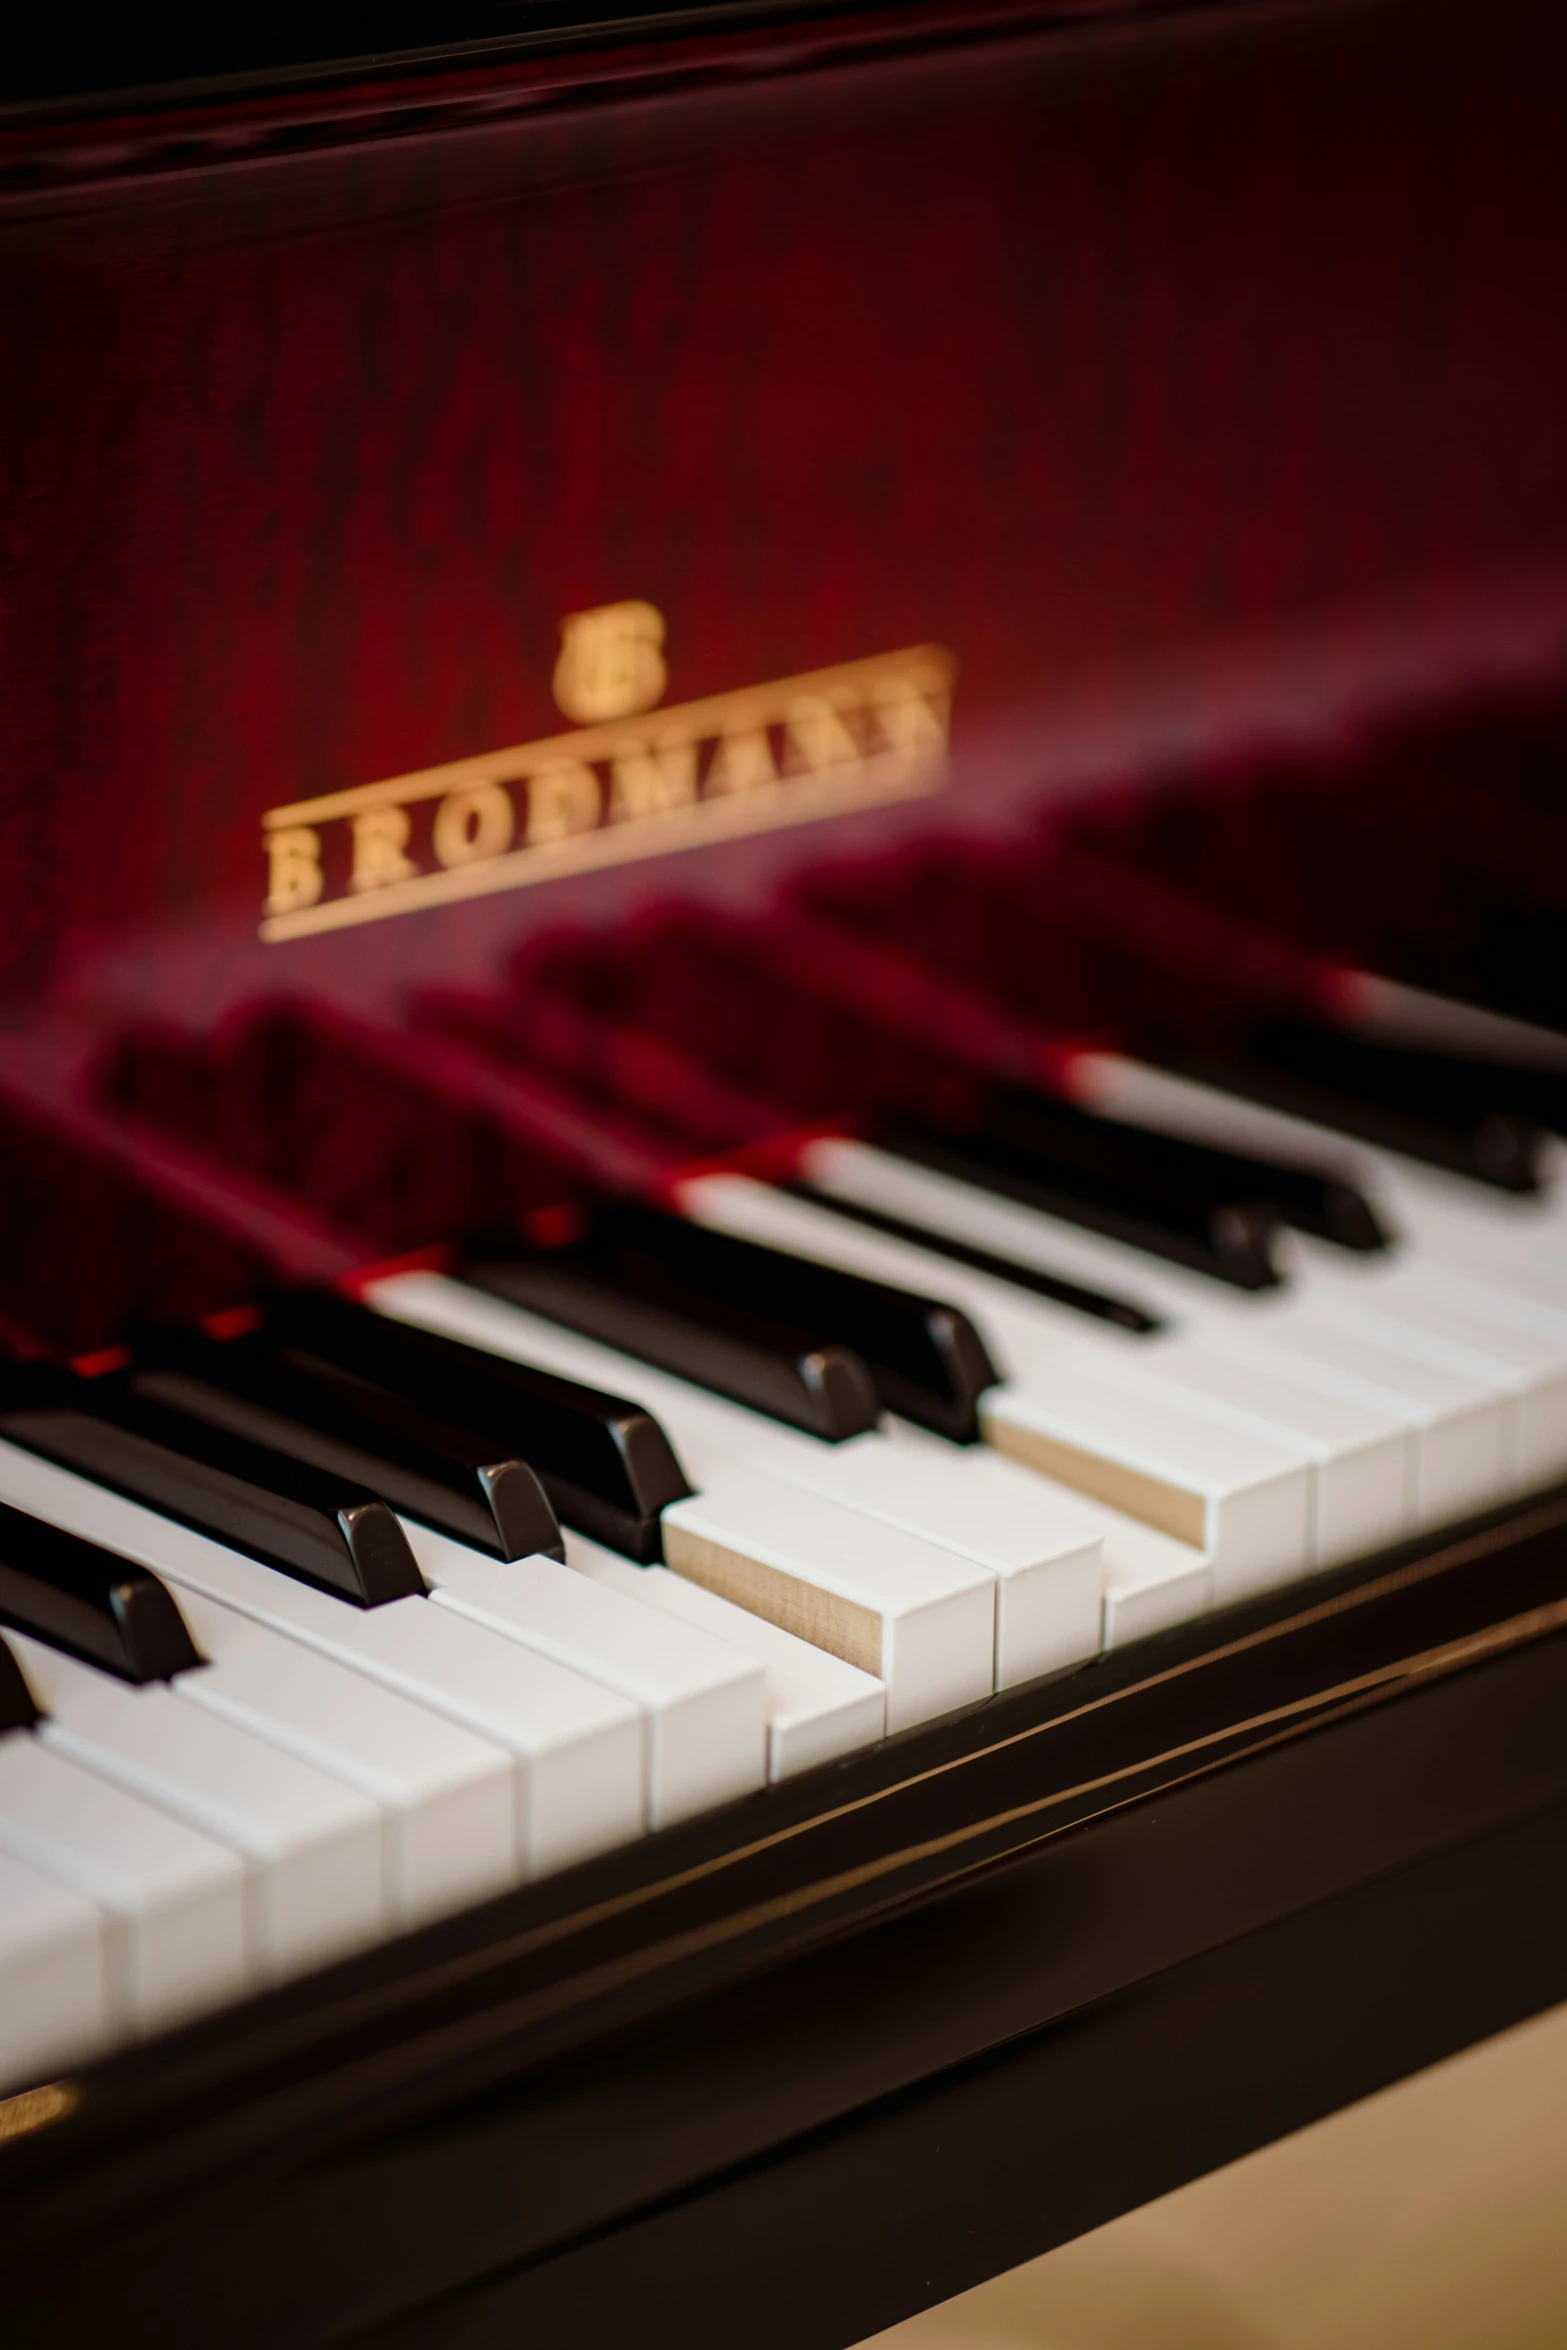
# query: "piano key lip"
517,1983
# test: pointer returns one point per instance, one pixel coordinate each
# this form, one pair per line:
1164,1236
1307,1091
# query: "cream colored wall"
1432,2217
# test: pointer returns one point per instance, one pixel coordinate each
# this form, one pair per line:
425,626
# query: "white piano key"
54,1976
1466,1437
1047,1596
1048,1571
1391,1010
703,1703
1119,1086
818,1707
1146,1586
1515,1304
1047,1577
1362,1462
1537,1318
1149,1581
174,1900
447,1796
1238,1497
316,1887
1475,1339
921,1619
577,1747
1463,1460
1152,1583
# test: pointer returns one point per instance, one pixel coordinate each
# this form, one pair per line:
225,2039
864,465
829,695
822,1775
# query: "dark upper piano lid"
81,63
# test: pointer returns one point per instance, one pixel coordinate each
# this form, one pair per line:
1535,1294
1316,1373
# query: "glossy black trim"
554,2069
89,65
1059,2130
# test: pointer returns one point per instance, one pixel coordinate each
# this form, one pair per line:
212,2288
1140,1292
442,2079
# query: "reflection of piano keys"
899,1490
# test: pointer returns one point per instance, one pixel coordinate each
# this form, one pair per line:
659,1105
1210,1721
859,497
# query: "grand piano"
783,1308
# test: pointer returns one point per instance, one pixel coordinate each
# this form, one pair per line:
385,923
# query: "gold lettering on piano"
746,761
611,661
816,736
743,759
472,825
563,798
297,880
909,720
380,838
652,779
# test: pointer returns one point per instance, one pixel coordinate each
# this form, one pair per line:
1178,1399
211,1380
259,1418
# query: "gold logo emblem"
611,662
634,781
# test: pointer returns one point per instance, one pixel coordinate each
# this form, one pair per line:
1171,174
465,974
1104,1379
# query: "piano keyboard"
297,1656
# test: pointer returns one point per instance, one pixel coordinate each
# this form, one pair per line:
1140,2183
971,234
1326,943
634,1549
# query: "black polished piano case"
839,2051
1180,370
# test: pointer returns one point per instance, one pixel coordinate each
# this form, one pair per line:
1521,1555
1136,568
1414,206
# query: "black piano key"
88,1601
712,1311
1511,958
17,1710
924,1355
1450,1111
1539,1094
1078,1149
327,1530
1519,1089
605,1463
1099,1303
1231,1240
448,1477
